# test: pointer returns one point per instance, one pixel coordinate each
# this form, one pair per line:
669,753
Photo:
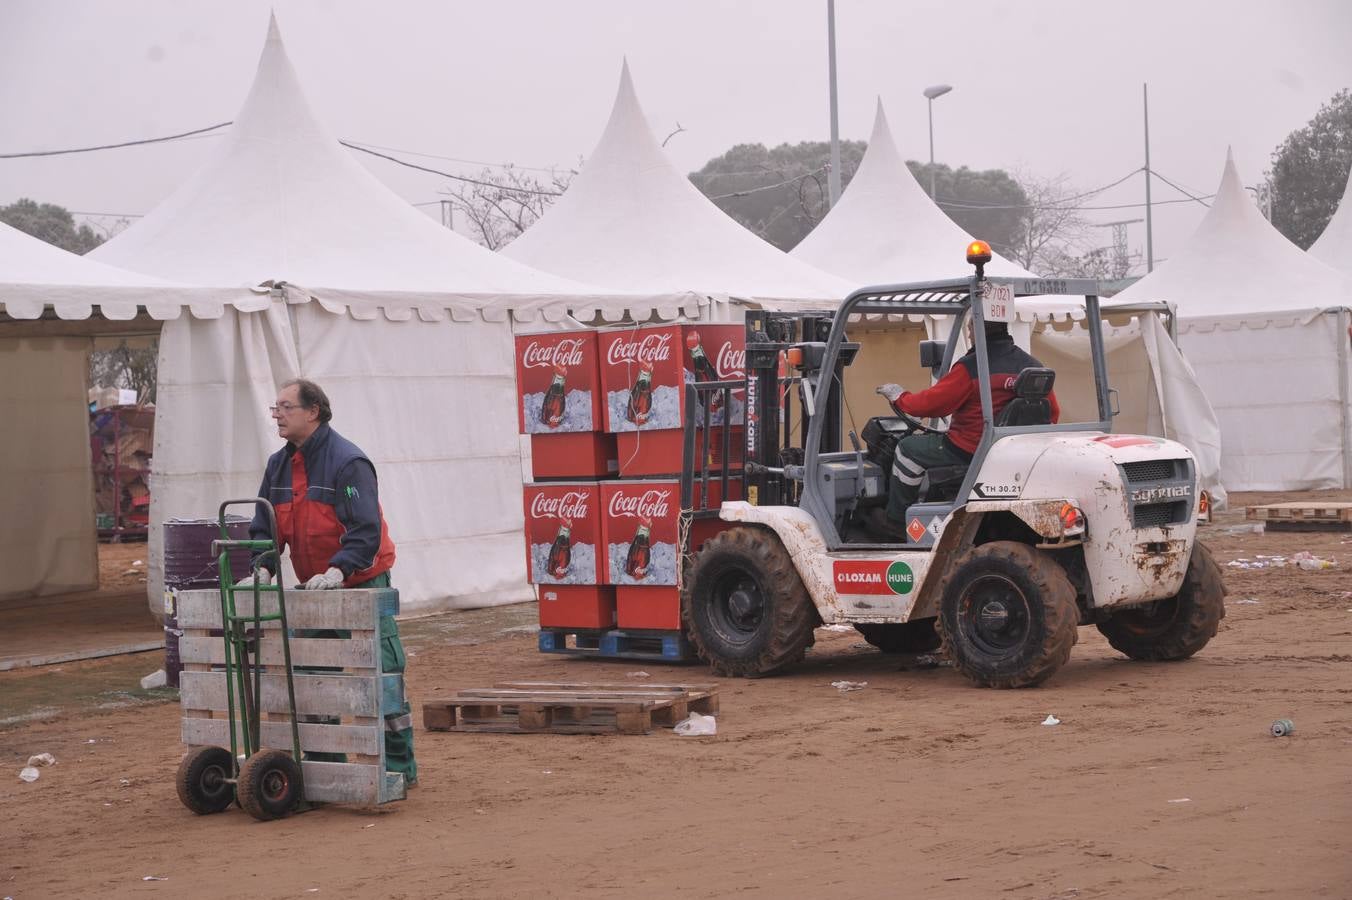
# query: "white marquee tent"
407,326
886,230
632,222
1334,247
53,305
1265,327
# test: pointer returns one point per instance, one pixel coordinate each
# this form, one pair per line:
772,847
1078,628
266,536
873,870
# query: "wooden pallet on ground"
568,708
1303,516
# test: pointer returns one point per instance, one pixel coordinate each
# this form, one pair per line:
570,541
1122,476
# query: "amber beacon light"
978,253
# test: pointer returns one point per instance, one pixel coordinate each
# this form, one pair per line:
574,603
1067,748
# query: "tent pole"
1344,337
833,176
1149,225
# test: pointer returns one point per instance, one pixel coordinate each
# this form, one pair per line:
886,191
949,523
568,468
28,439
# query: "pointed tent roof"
1334,247
1236,262
631,221
281,200
35,274
885,228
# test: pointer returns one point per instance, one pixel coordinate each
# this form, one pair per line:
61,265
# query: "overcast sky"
1048,87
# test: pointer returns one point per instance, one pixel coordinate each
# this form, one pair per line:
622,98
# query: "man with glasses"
323,488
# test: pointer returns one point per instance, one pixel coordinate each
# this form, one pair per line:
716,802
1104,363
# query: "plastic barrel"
189,565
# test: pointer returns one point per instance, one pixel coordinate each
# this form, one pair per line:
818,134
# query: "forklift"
1050,527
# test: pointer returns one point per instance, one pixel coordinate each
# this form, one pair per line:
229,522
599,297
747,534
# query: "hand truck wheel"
203,780
269,784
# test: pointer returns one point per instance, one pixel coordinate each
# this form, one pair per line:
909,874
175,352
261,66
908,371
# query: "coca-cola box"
577,606
557,381
563,533
640,524
644,371
559,405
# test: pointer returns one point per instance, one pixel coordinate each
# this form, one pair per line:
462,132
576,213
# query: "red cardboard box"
640,521
558,380
648,607
577,606
643,376
558,385
563,533
574,455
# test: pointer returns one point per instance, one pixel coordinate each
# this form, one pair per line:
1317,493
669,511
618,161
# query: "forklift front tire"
1008,618
269,784
203,780
744,606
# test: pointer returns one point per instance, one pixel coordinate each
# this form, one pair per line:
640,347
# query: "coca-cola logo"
649,348
566,353
572,505
648,505
730,363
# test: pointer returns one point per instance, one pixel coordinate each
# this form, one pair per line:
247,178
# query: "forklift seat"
1030,405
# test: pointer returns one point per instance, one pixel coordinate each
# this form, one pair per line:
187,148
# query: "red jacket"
958,393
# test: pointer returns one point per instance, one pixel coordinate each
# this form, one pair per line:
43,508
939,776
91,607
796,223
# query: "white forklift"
1050,527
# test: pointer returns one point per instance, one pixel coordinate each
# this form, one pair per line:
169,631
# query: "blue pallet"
670,646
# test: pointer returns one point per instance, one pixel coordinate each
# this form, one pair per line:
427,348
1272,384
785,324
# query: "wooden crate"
1303,516
527,707
356,692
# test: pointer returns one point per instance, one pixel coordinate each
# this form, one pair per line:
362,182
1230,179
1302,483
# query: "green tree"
1309,172
780,194
51,223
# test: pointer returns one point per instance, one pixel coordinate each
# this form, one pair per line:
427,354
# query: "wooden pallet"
654,647
527,707
1303,516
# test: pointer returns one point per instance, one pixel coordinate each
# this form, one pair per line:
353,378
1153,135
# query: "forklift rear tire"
269,784
1008,618
203,780
919,636
1177,627
744,607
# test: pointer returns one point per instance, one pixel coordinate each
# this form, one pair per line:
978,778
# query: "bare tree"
127,367
500,204
1053,230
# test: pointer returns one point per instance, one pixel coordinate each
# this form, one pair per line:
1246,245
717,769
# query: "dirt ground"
1161,780
114,616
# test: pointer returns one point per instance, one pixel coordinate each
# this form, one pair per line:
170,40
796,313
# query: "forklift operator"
957,394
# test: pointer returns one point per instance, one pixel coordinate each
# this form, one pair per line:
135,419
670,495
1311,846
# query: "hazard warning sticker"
916,529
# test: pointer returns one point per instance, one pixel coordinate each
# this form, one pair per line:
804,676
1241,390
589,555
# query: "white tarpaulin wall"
1285,419
47,538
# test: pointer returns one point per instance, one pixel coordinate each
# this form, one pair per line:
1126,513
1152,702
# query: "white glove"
890,391
264,577
328,580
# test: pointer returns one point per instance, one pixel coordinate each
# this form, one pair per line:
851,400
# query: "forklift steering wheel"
917,426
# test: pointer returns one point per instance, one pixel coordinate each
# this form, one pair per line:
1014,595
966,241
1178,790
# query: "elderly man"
323,488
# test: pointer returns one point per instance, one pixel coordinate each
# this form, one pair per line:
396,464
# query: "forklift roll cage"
770,475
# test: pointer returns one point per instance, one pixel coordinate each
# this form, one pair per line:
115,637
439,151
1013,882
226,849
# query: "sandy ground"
1160,781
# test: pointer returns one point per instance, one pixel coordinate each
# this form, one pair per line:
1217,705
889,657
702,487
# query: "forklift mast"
770,430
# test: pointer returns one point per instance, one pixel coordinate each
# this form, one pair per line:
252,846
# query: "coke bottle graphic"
641,395
640,551
551,410
561,552
704,370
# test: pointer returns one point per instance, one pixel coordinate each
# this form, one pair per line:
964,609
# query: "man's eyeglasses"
285,407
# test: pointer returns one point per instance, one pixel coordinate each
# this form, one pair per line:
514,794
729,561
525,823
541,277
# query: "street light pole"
833,176
931,93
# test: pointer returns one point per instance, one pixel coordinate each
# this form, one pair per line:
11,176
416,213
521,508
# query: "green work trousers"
913,456
398,725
